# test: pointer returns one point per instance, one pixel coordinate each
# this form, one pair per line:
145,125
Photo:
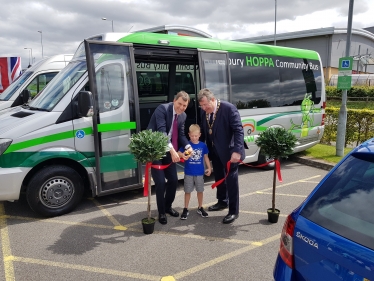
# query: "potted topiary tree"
276,142
148,146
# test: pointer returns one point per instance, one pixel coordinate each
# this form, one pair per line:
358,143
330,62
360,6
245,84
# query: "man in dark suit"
169,119
223,132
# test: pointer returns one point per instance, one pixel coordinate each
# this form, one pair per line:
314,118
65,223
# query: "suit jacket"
162,120
228,133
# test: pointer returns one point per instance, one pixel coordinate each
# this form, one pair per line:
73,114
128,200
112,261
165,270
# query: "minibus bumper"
11,181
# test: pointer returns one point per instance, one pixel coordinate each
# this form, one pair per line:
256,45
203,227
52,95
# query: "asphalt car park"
103,238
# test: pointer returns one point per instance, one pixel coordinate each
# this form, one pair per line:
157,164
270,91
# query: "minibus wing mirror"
25,95
22,98
85,104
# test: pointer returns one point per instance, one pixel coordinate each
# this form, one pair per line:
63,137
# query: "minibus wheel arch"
57,161
55,190
75,168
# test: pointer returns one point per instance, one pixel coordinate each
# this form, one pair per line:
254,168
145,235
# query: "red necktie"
174,137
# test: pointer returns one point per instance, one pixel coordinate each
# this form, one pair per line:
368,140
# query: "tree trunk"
274,184
149,194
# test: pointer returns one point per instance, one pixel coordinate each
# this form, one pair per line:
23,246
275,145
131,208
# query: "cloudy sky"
65,23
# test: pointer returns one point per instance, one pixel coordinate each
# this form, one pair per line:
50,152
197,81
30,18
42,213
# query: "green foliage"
359,128
332,91
355,91
148,146
276,142
324,152
361,104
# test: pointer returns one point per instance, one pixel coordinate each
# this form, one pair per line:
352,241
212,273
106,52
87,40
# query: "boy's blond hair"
194,128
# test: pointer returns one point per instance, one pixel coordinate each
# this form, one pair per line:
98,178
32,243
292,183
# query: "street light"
112,23
41,41
30,54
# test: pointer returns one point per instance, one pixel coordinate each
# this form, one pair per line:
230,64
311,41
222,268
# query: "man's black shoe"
162,219
230,218
172,212
217,207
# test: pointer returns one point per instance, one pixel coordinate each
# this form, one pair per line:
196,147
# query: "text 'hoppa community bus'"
67,139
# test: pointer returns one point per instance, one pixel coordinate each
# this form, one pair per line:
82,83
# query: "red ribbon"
277,168
146,176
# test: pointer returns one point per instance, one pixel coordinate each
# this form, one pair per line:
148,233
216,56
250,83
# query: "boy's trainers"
184,214
202,212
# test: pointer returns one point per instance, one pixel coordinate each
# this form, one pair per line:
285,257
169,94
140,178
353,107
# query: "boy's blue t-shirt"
194,166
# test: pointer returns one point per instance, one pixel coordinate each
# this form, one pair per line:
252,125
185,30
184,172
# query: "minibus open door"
112,82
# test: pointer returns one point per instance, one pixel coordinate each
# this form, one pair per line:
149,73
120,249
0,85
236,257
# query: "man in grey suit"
169,119
223,132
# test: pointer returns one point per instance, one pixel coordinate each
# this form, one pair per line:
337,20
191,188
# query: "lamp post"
41,41
342,120
275,24
112,23
30,54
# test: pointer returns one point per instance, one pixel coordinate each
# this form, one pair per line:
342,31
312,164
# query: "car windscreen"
59,85
12,88
343,202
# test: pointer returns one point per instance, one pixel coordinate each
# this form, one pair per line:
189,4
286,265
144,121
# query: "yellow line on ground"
309,181
282,185
210,238
129,227
116,223
225,257
167,278
61,222
89,268
259,213
283,194
5,242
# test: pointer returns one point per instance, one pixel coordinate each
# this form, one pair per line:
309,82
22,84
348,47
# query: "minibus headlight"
4,144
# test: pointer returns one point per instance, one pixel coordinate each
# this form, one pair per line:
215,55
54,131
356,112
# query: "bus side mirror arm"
26,94
22,98
85,104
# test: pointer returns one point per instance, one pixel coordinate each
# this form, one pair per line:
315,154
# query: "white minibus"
32,81
75,134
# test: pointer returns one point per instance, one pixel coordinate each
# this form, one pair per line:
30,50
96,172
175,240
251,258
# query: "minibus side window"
40,82
253,84
110,87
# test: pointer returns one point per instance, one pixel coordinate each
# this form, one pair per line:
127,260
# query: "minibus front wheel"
54,190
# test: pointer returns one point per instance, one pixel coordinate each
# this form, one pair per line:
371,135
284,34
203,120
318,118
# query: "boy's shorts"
193,181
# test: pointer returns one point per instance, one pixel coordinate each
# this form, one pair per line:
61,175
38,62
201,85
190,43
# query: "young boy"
194,170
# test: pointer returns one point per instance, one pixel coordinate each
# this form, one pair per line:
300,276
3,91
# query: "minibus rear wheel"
55,190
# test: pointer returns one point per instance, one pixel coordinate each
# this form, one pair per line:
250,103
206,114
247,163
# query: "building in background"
330,43
10,69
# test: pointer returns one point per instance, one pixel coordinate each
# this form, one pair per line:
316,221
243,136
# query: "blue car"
330,236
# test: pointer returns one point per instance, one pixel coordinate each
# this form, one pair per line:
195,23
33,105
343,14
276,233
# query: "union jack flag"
10,69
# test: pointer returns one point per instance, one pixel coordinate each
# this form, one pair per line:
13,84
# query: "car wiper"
38,108
26,106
